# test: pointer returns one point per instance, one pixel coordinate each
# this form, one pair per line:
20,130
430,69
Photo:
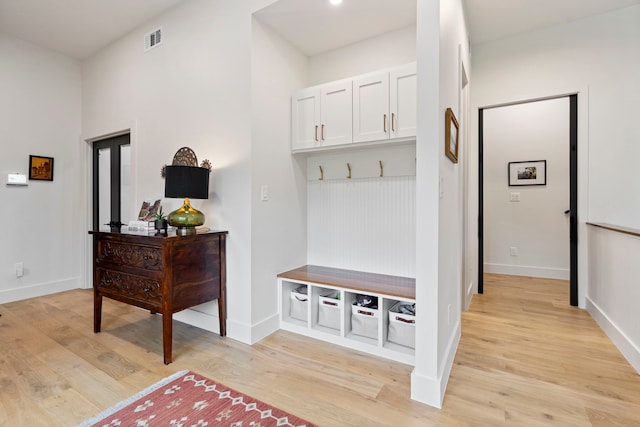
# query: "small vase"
160,225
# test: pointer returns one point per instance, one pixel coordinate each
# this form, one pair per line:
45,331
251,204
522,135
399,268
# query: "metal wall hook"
381,168
321,173
349,169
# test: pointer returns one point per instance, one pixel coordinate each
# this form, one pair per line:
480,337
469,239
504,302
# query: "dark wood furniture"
161,273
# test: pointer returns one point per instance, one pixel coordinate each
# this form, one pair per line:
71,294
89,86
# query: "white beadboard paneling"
363,224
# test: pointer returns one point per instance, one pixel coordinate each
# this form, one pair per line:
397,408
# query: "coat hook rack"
381,168
349,169
321,173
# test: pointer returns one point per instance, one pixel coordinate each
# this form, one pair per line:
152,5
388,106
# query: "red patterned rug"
186,399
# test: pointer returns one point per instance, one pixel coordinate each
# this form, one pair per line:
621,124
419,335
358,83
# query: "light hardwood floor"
526,358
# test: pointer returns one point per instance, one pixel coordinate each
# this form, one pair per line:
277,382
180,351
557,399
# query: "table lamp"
188,182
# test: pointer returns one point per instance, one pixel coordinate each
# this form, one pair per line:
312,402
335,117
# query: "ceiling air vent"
152,39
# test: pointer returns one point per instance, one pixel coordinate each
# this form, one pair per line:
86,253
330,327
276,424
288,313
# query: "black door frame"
113,143
573,199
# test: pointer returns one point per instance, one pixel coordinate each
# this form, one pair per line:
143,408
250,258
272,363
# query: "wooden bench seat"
404,287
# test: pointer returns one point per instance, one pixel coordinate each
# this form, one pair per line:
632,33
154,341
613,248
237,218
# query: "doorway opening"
514,195
111,182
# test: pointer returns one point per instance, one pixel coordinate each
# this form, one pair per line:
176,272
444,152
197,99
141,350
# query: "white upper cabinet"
384,105
305,118
321,116
402,101
370,108
335,108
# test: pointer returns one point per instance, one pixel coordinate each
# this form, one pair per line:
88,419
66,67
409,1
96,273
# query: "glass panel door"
104,189
111,183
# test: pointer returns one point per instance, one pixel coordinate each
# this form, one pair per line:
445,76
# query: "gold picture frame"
451,136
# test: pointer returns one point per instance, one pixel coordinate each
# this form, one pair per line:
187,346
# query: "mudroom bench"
322,302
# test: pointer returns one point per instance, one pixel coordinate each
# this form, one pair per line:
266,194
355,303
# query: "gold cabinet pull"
384,123
316,133
321,173
393,122
322,132
349,169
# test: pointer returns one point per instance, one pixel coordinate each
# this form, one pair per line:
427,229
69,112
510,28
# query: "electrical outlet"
513,251
19,267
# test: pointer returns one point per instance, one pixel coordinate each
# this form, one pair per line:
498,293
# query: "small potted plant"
160,223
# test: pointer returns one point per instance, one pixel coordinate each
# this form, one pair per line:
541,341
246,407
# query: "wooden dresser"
163,274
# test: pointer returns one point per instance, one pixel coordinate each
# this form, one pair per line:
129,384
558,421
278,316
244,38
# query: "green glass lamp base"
186,219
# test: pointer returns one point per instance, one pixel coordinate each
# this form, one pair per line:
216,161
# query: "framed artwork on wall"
40,168
533,172
451,136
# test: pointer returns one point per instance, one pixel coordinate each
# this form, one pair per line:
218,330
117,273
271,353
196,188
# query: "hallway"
527,357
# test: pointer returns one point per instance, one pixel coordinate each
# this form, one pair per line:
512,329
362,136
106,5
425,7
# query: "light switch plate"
514,197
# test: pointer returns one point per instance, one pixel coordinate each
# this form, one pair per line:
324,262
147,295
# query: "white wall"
384,51
441,35
192,90
597,58
536,225
614,288
278,226
40,110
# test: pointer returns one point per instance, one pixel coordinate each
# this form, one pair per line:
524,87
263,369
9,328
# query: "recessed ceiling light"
335,2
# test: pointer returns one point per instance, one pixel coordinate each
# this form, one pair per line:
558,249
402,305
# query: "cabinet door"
335,108
371,108
305,118
403,101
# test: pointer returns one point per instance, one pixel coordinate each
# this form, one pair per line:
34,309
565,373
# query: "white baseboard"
207,319
629,350
199,319
265,328
431,390
38,290
468,296
528,271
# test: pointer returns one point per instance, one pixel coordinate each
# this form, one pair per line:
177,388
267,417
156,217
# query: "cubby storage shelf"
318,310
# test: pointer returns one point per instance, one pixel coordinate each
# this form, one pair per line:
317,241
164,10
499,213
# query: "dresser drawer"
129,286
129,255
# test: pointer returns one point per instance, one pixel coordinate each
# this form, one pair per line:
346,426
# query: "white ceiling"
79,28
315,26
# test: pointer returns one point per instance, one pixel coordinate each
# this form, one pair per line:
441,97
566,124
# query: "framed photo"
40,168
148,210
533,172
451,136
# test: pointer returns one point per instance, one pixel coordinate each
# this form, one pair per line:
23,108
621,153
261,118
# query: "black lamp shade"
186,181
